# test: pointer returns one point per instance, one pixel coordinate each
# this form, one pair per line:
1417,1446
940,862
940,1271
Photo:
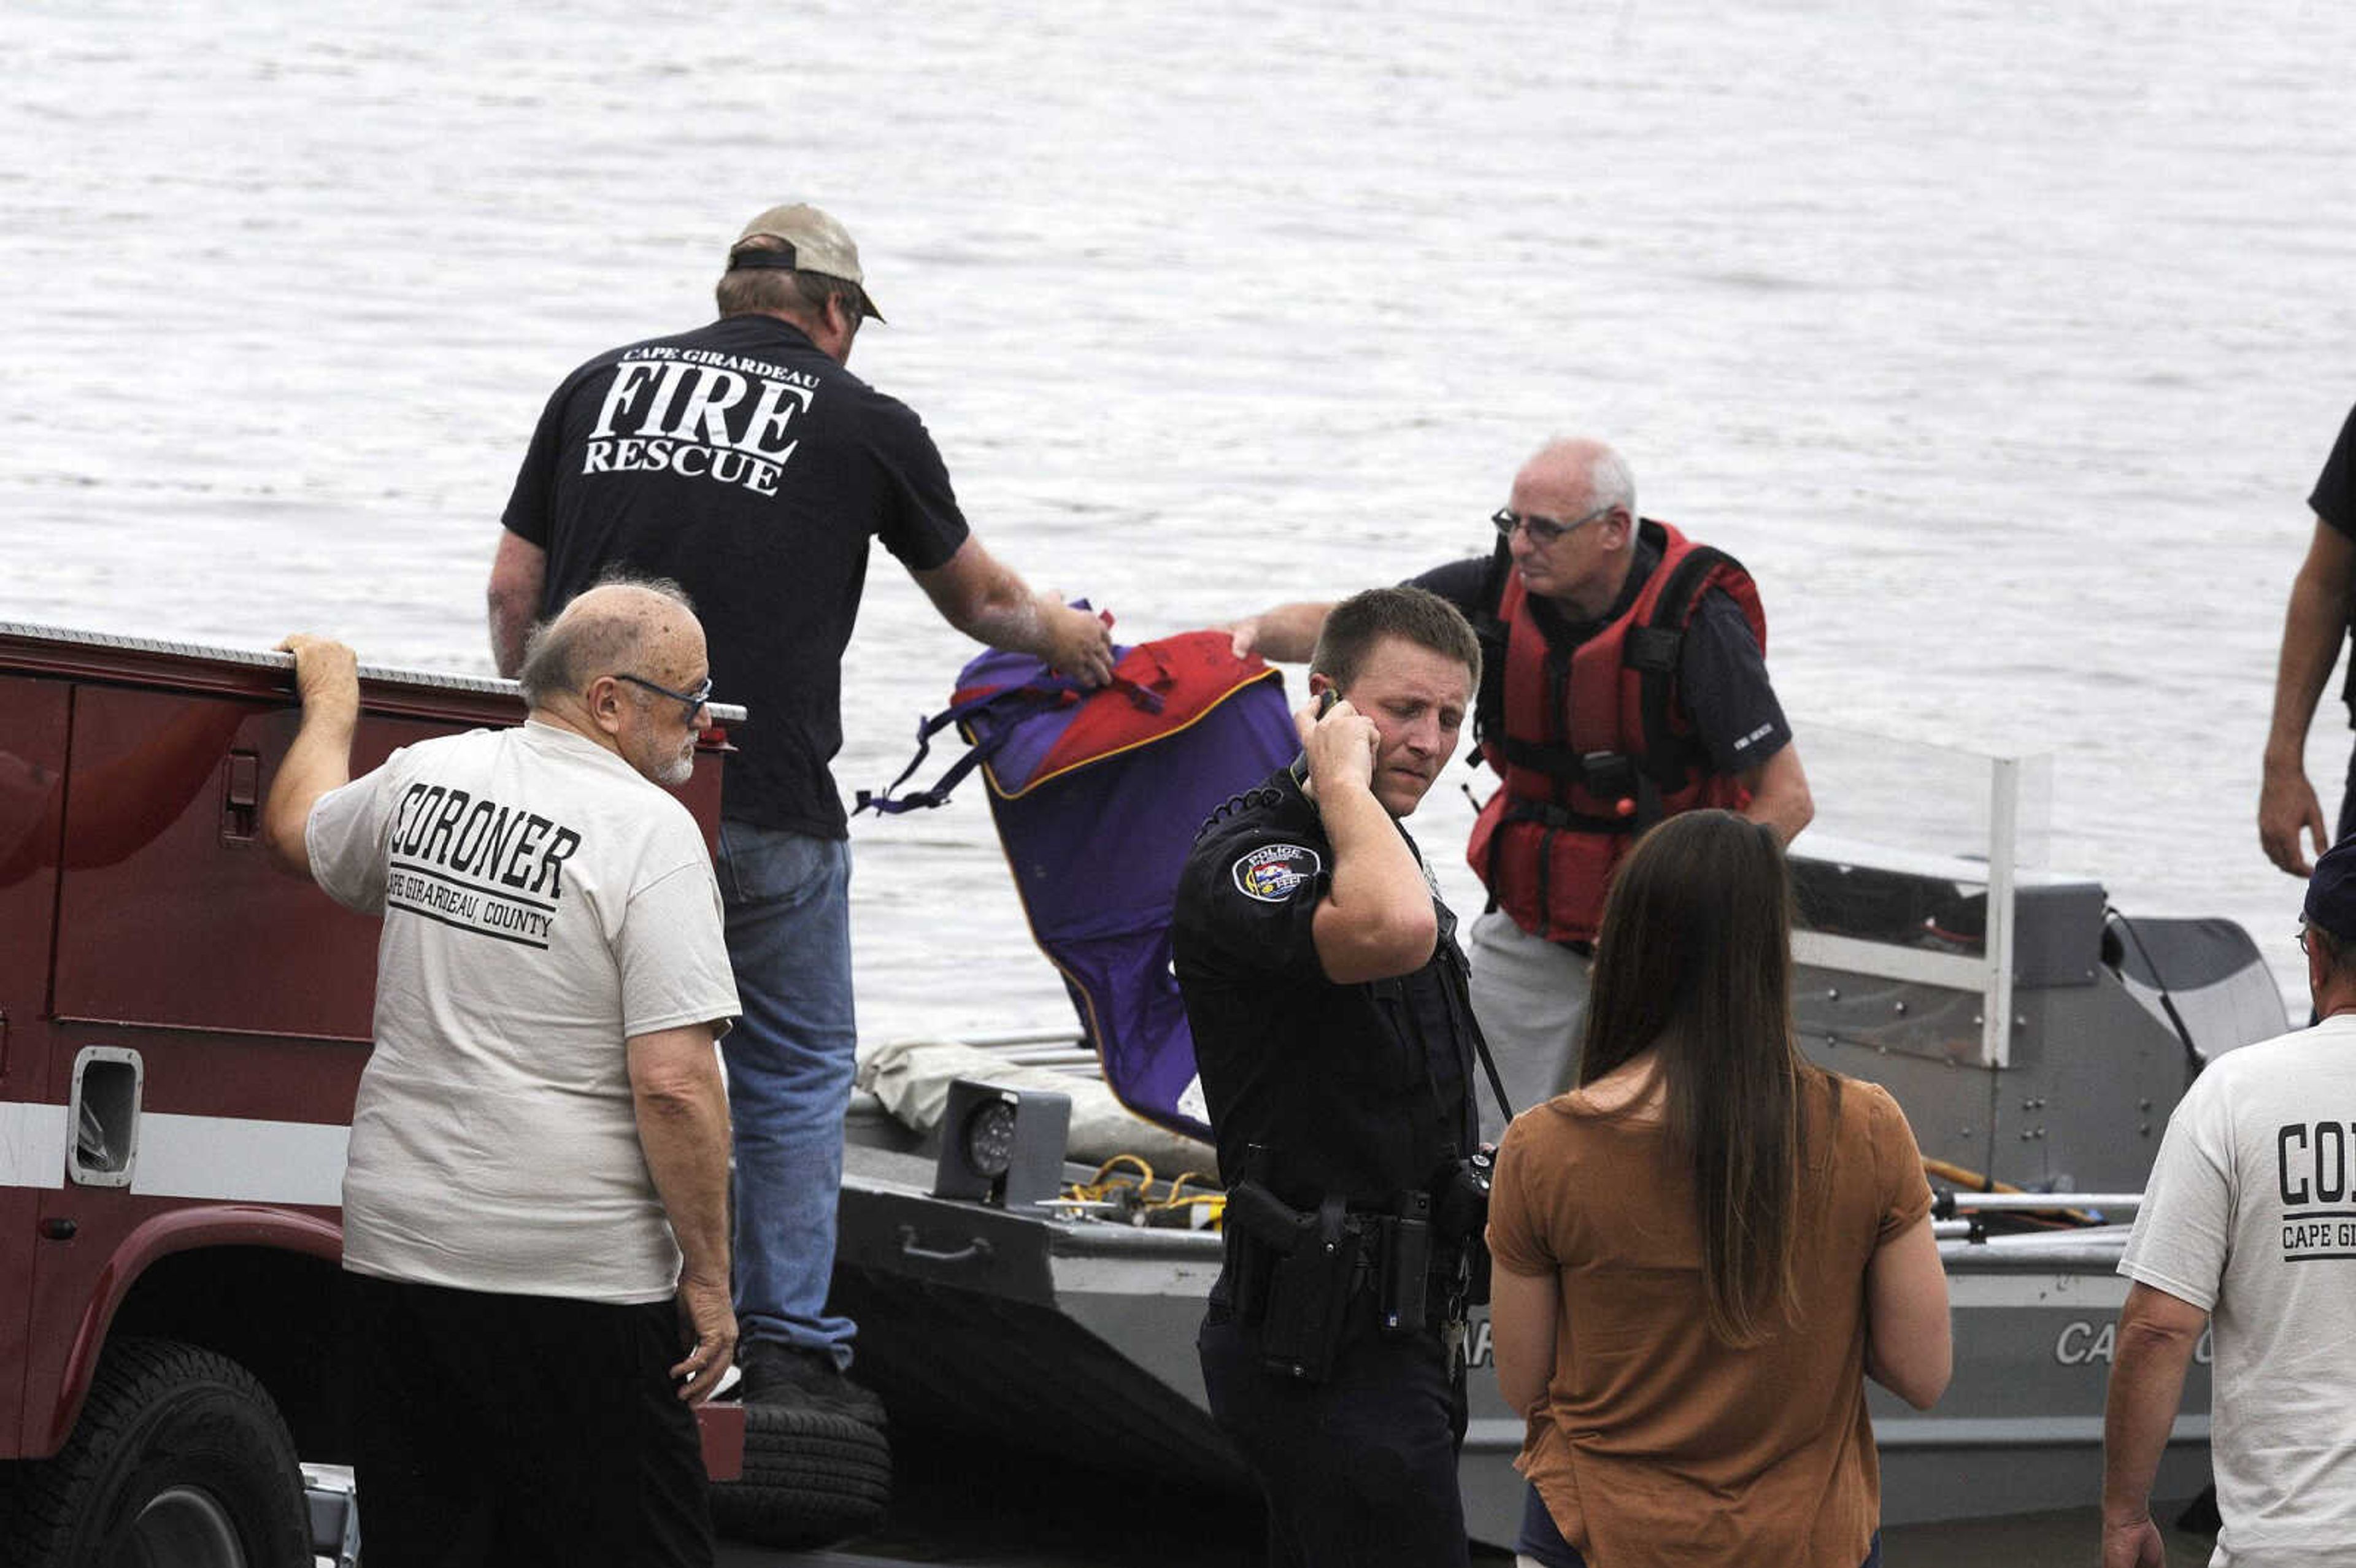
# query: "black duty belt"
1303,1279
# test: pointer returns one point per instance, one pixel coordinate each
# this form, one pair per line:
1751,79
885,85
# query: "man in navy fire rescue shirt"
744,461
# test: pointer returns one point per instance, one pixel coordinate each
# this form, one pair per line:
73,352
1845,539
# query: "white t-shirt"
542,902
2251,1215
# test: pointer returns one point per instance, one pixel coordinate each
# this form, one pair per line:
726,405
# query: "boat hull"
1078,1336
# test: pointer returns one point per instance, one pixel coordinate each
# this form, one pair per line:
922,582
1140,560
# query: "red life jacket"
1594,745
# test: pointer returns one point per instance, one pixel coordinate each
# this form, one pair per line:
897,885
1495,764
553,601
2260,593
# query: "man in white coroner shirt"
535,1206
2249,1226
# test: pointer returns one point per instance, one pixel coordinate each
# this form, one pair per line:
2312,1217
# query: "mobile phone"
1325,700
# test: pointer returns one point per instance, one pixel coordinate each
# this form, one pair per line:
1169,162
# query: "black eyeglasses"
1543,531
694,699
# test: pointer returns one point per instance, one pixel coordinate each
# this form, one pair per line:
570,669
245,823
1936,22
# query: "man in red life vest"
1624,680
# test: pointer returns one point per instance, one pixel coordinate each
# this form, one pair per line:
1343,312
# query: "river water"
2002,343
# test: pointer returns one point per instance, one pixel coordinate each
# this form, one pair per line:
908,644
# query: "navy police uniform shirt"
1362,1090
744,463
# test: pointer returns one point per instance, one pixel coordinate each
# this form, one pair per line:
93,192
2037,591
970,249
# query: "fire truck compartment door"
172,914
33,728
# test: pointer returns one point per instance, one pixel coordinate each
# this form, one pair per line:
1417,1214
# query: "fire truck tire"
180,1456
811,1478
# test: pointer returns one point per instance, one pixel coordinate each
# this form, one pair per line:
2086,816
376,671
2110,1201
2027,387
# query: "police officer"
1335,1039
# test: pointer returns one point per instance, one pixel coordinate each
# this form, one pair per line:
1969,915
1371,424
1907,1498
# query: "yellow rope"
1131,1174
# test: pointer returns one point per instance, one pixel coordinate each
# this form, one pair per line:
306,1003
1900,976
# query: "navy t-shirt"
744,462
2334,488
2334,501
1721,671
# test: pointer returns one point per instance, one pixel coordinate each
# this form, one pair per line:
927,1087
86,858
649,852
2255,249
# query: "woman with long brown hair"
1705,1248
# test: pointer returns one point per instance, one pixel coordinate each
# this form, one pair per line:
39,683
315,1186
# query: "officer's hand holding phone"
1338,743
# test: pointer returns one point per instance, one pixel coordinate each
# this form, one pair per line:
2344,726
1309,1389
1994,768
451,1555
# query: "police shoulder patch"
1273,873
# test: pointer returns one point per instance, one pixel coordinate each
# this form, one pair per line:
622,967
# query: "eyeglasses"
1543,531
694,699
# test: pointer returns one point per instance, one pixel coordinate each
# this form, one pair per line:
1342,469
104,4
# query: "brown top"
1657,1443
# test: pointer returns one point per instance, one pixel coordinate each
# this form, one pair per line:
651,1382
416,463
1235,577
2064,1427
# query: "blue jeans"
1541,1543
791,1059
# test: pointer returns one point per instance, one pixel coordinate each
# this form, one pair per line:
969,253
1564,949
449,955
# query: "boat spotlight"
1003,1145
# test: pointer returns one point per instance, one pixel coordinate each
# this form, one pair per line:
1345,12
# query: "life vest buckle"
1652,649
1610,775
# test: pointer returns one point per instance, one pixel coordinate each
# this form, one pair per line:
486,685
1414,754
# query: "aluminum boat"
2035,1037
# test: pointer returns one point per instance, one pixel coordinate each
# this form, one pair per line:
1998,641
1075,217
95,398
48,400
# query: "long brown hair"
1695,960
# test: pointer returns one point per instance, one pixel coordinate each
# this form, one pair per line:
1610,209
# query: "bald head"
1580,506
1582,470
621,625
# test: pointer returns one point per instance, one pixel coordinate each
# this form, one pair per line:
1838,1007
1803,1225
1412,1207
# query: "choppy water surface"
2003,345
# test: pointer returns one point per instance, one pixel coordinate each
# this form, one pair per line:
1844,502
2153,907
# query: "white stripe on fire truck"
32,1144
224,1158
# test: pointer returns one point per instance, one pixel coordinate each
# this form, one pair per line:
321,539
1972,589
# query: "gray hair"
574,646
1608,483
2338,953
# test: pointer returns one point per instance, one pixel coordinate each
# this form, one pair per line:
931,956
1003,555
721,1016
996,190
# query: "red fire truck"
182,1029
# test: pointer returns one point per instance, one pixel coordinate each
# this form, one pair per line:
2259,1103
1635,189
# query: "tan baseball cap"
814,243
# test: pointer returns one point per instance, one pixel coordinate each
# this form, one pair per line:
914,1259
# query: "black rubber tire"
811,1478
162,1418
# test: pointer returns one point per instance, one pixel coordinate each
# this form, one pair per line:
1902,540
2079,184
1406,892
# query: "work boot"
777,1373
